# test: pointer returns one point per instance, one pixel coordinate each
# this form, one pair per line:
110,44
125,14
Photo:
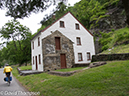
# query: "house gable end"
52,56
58,20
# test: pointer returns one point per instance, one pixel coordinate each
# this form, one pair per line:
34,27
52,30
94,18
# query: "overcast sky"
33,21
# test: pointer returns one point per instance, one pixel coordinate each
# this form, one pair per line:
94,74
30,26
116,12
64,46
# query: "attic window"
77,26
61,23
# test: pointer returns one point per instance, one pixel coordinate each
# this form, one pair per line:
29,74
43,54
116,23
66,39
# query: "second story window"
57,43
62,24
78,41
77,26
38,41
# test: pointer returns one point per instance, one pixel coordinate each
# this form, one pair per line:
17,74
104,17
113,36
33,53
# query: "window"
77,26
61,23
57,43
33,59
33,45
79,56
38,41
88,56
39,59
78,41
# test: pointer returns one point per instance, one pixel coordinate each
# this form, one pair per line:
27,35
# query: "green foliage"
105,47
122,36
41,28
117,49
23,8
108,40
17,38
87,11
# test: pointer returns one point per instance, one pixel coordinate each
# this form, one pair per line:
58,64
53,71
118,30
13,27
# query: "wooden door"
36,63
63,61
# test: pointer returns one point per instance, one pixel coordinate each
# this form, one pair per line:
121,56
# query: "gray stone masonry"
51,56
110,57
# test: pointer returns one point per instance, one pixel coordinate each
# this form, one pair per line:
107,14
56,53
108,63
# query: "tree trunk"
126,6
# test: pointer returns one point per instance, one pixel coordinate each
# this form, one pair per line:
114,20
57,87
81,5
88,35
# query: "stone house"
63,44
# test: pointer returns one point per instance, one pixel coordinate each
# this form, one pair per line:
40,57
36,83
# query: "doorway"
63,61
36,62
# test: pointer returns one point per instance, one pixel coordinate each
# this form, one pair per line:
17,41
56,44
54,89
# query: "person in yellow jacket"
7,70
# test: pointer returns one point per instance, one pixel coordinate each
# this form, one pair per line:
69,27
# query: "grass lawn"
29,67
111,79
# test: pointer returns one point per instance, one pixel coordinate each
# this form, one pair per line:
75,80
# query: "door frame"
36,63
63,63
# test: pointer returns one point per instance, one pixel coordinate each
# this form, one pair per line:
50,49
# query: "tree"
19,49
23,8
87,10
126,6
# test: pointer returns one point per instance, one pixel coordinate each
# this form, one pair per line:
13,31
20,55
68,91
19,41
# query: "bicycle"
8,79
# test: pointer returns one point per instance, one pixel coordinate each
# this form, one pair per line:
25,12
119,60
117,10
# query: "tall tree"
18,50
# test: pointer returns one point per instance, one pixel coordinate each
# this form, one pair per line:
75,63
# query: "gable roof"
56,21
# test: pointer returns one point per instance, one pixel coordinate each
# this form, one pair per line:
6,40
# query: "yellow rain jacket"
7,69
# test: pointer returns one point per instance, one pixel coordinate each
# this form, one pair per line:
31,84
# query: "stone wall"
110,57
51,56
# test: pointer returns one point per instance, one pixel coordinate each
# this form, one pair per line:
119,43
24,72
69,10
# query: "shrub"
105,47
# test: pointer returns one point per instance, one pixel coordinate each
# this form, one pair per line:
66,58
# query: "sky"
33,21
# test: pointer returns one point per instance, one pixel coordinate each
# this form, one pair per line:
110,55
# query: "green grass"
111,79
29,67
117,49
70,69
113,38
